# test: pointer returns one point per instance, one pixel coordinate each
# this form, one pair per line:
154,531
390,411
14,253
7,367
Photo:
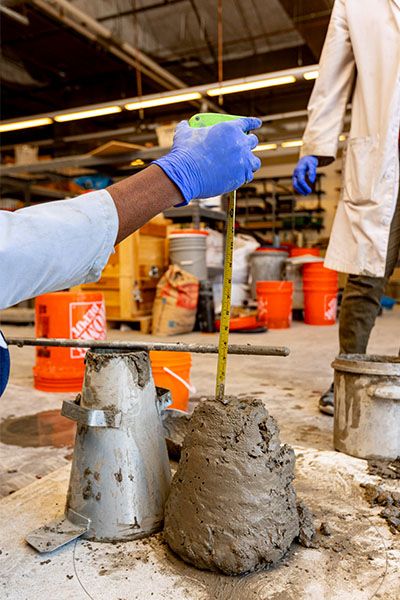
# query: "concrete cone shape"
232,505
120,474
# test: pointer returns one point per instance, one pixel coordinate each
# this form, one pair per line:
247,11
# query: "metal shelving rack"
196,213
277,190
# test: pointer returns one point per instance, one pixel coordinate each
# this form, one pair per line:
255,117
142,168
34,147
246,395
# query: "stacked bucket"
320,288
275,295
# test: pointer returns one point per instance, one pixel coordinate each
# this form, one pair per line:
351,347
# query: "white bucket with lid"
187,248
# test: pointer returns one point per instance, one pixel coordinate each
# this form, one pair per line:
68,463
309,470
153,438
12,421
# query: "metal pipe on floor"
148,346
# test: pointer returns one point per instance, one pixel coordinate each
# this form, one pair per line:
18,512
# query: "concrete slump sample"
232,505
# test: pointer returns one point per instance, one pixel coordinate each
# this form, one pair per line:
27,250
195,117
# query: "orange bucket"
320,287
274,303
68,315
304,251
171,370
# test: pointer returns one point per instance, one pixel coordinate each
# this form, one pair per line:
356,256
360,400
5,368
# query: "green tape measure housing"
208,119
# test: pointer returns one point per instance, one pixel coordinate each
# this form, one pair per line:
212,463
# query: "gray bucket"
188,250
266,265
294,273
367,405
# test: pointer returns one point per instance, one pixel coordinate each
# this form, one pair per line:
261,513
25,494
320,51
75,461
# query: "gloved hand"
208,161
307,166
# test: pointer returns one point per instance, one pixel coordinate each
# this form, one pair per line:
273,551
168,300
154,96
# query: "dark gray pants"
362,297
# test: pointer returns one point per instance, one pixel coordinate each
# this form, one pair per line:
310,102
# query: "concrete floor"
363,557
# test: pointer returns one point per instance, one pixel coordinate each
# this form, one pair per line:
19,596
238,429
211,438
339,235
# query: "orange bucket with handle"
171,370
71,315
320,288
274,303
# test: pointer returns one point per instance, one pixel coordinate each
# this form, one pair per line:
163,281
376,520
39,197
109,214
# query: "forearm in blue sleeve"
56,245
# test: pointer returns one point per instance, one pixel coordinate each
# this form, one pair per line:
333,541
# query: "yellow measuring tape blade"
226,298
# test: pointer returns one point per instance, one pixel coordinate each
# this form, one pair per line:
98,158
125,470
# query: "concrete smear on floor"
360,560
47,428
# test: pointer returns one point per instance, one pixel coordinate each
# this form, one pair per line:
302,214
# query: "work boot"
326,402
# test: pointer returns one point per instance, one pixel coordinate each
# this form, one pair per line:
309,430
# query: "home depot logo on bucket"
330,307
262,306
87,322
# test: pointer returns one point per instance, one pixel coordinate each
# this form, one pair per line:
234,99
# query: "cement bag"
175,304
215,248
244,245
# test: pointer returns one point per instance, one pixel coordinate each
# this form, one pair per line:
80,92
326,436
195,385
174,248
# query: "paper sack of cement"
232,505
175,304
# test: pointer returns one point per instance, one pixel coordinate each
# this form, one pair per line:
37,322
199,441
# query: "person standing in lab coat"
360,63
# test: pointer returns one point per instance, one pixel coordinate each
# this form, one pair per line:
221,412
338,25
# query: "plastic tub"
320,287
171,370
68,315
274,302
238,323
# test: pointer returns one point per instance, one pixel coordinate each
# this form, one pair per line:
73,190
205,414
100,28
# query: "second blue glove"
306,167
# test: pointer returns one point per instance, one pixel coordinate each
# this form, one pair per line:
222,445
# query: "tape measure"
206,120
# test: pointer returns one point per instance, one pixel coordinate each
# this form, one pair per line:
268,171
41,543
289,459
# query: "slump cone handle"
206,120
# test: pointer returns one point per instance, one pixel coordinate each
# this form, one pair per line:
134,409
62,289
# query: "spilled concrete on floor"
34,438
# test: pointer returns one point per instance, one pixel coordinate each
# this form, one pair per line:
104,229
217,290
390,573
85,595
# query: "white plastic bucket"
188,250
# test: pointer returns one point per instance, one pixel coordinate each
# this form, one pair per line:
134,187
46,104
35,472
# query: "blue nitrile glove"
4,364
208,161
307,166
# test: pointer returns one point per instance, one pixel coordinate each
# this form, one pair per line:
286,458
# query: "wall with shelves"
284,164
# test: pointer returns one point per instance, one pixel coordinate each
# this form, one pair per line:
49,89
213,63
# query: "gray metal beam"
83,161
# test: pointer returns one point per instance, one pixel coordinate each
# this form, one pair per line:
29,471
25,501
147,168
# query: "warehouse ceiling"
54,58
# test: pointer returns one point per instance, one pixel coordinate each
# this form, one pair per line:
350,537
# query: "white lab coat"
360,62
55,245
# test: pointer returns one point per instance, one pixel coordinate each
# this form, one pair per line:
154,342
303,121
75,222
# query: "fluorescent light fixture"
292,144
162,100
342,138
261,147
311,75
24,124
85,114
251,85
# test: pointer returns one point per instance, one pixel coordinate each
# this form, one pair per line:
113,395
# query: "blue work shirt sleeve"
57,245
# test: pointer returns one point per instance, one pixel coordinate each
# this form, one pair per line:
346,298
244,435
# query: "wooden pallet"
143,323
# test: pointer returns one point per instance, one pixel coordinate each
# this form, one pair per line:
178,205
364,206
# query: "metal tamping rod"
148,346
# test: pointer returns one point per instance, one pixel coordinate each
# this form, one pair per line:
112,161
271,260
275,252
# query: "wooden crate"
130,277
